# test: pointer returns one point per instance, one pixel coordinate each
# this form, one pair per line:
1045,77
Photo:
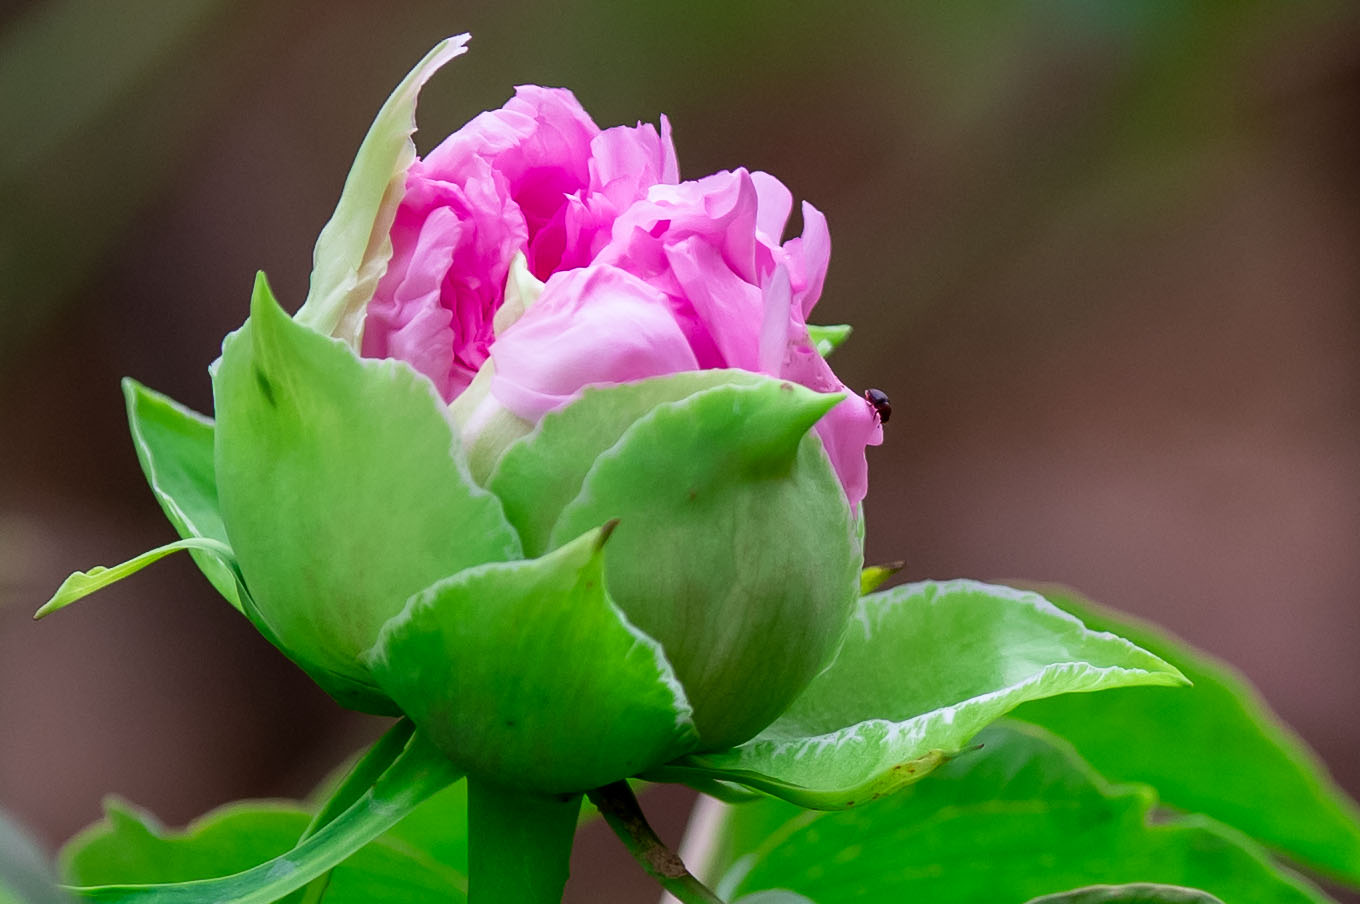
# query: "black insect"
879,399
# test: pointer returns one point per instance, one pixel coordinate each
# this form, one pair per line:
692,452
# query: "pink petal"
594,325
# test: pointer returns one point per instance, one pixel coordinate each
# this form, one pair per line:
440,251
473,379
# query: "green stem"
519,844
620,809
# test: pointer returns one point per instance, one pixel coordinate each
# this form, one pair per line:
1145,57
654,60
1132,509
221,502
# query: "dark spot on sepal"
266,388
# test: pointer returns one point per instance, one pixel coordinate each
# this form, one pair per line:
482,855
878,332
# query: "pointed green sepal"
355,245
538,475
527,675
175,448
82,583
826,339
875,576
343,491
923,669
735,548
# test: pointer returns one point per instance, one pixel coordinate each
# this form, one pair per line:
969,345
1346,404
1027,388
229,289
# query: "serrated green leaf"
128,847
355,245
923,669
81,584
735,546
1216,748
1140,893
175,448
528,675
539,474
826,339
343,491
1022,817
123,852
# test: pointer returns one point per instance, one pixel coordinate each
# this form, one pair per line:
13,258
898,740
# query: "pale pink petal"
594,325
808,257
845,431
729,307
777,302
776,203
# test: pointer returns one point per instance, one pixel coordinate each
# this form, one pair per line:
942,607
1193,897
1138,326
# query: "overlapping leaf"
1216,748
137,863
1022,817
924,668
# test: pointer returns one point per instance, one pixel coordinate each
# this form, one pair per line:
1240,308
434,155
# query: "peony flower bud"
548,456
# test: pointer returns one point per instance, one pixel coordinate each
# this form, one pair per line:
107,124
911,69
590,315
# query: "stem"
519,845
620,809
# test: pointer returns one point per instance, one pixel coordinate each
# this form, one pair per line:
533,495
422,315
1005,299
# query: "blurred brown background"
1104,257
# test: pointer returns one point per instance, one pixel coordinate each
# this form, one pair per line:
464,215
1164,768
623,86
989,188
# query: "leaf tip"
606,531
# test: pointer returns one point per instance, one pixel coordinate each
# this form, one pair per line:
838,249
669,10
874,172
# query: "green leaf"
1023,817
540,474
528,675
438,828
128,847
82,583
774,896
175,448
1216,748
1140,893
826,339
923,669
136,863
355,245
735,547
343,491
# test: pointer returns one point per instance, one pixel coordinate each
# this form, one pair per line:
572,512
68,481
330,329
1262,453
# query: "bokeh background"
1104,257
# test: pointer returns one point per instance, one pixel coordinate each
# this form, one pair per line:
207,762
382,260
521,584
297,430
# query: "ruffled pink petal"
775,205
730,308
594,325
808,257
846,431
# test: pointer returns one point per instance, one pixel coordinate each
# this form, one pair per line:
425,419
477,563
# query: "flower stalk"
619,807
519,845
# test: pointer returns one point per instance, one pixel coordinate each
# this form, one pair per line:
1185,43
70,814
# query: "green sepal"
175,448
875,576
343,492
1022,817
1137,893
735,547
826,339
527,675
355,245
923,669
540,474
419,772
81,584
1216,748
